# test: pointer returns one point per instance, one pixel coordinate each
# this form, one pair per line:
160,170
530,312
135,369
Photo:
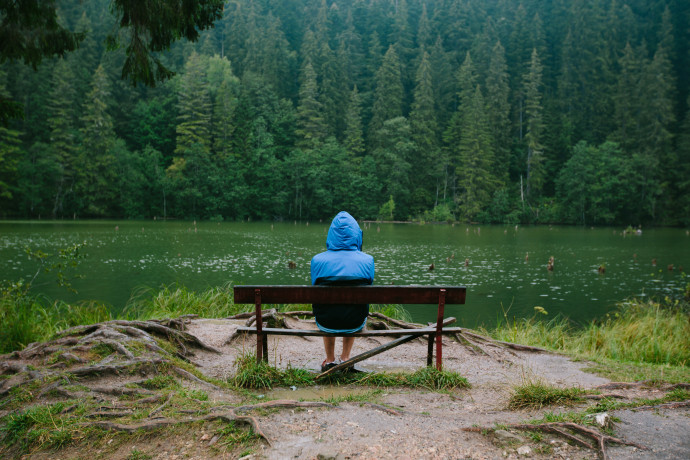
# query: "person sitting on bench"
343,264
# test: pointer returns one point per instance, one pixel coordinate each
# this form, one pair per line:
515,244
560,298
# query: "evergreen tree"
194,106
9,151
627,100
311,127
388,99
534,127
96,174
63,135
353,136
426,137
224,88
498,110
474,171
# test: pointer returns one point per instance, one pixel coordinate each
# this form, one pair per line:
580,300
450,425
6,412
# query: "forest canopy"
558,111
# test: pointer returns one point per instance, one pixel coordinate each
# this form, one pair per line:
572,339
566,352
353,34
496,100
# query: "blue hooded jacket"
343,263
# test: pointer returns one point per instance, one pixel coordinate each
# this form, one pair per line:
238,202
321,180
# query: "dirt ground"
428,424
375,423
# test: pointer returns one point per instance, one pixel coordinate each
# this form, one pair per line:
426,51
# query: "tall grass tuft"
535,395
176,300
27,319
639,331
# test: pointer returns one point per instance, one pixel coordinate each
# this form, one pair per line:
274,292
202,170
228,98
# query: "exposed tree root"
163,422
571,431
670,405
283,403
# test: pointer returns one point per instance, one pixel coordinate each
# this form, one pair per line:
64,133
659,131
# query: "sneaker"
325,366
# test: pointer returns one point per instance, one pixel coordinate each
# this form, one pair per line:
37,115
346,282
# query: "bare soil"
399,423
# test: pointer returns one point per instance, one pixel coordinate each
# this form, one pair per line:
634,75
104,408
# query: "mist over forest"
492,111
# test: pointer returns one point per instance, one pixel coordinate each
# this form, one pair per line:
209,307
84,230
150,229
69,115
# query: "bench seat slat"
309,294
318,333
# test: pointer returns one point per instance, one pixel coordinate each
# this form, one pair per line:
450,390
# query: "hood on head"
344,233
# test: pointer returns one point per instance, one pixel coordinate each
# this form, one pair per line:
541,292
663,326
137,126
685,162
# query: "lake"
123,257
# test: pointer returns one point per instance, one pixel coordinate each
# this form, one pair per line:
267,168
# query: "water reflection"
497,273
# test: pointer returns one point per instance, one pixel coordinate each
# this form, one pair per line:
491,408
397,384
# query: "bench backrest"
350,294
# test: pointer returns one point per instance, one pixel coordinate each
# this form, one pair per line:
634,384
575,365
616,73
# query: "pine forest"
490,111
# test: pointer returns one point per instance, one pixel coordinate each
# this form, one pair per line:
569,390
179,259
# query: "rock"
504,436
330,456
524,450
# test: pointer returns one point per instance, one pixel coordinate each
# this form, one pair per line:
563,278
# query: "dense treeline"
570,111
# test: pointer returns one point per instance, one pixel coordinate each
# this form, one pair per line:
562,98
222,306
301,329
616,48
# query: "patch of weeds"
250,374
574,417
535,395
353,397
136,454
535,436
158,382
231,434
137,347
41,427
198,395
635,372
677,394
102,350
432,378
167,346
544,449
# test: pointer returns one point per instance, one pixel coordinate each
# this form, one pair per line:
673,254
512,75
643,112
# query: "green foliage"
387,209
535,395
43,426
638,333
250,374
218,141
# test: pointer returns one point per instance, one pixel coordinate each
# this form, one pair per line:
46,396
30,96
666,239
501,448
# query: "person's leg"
348,342
329,346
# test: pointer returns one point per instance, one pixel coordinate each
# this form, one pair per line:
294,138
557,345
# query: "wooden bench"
404,295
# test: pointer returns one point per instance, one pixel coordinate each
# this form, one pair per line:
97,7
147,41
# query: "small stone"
524,450
205,437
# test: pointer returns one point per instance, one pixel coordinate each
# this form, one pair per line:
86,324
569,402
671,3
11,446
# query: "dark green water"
498,278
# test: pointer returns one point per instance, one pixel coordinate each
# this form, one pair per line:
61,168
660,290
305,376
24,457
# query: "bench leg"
430,349
264,344
439,328
260,336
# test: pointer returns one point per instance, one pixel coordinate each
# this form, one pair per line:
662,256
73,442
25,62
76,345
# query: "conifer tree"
194,106
534,127
474,171
353,136
498,110
311,127
9,151
425,131
63,134
388,99
96,174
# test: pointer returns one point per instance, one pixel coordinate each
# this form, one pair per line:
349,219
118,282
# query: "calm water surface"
498,278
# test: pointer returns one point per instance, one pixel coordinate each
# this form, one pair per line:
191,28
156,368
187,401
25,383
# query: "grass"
250,374
638,341
535,395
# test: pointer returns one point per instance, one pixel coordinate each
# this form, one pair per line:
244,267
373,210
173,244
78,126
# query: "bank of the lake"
503,267
651,336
